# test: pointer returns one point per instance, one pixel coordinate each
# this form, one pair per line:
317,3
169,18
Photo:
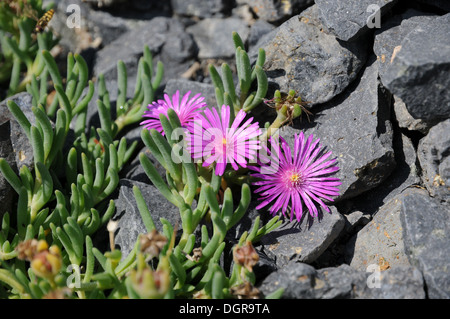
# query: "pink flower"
297,178
187,110
215,140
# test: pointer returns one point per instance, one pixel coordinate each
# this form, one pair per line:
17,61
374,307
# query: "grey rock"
426,227
301,281
22,149
165,38
421,65
130,223
306,241
391,34
257,30
134,170
15,147
405,174
297,280
380,242
356,220
348,19
434,157
401,282
274,11
199,8
105,3
214,36
96,27
6,152
355,126
405,120
207,90
303,57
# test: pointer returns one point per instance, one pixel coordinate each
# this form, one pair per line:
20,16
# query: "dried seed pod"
152,243
246,256
245,291
27,249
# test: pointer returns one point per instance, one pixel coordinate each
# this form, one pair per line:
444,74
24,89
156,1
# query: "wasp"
44,20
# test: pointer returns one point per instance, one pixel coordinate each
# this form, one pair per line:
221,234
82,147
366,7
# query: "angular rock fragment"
207,90
349,20
214,36
389,37
434,157
130,223
381,241
405,174
302,281
419,71
22,149
274,10
405,120
304,242
426,234
301,56
198,8
165,38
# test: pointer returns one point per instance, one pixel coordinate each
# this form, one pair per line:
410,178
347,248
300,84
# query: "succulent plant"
46,247
21,54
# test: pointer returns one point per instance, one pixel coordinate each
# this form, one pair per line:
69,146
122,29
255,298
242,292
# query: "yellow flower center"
224,141
295,179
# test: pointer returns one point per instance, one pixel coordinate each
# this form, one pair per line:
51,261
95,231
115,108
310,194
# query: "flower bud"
47,262
149,283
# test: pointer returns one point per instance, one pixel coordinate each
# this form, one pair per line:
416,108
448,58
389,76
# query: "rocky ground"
380,102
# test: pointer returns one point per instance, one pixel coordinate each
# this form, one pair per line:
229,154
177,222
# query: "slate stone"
6,152
392,32
405,120
421,65
257,30
207,90
134,170
304,241
348,20
214,36
297,280
302,281
356,220
130,223
96,29
380,242
355,126
199,8
426,227
165,38
22,149
301,56
434,157
274,11
406,173
401,282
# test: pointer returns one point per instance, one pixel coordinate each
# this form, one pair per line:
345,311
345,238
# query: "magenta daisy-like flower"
186,109
297,179
216,141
